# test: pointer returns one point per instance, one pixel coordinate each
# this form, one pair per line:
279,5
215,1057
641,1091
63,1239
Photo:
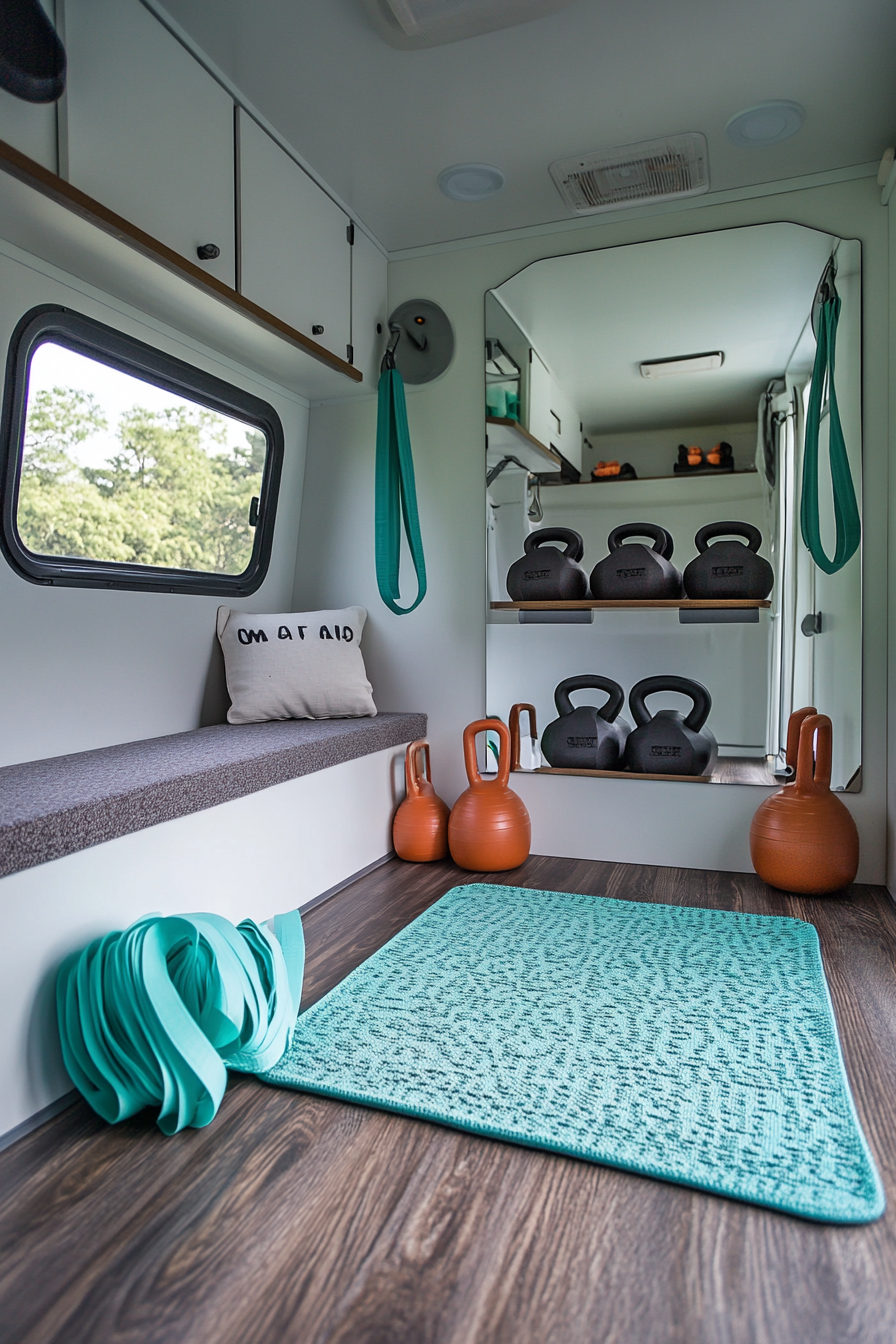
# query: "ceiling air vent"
654,170
428,23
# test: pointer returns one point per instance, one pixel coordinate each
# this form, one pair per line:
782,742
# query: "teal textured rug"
694,1045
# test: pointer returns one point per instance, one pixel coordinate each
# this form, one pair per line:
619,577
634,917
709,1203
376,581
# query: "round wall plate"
426,345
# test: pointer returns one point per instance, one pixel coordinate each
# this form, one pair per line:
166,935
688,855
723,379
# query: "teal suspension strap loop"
156,1015
846,510
395,490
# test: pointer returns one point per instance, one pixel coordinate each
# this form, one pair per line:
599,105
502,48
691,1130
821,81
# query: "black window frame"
86,336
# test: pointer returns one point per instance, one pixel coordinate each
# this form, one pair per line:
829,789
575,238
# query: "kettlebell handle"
412,764
662,540
472,767
794,724
813,766
650,685
575,546
751,535
515,712
586,682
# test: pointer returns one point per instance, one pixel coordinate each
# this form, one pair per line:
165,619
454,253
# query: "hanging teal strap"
846,510
396,493
156,1015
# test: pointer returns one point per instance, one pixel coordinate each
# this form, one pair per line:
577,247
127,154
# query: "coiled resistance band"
846,510
395,490
156,1015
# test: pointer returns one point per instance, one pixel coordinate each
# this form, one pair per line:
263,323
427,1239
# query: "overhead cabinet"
369,306
553,419
150,133
295,249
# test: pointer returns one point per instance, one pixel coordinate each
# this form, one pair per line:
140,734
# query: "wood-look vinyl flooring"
298,1218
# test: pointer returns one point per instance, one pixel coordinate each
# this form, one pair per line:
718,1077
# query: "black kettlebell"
586,738
728,568
549,575
668,743
636,573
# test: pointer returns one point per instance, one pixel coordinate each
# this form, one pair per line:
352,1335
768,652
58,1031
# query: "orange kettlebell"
420,827
489,828
516,743
803,838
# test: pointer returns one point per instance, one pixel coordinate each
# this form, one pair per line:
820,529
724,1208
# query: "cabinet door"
150,133
295,256
369,306
30,127
569,439
553,419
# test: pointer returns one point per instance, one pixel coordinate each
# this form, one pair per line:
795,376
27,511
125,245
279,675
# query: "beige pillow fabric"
297,665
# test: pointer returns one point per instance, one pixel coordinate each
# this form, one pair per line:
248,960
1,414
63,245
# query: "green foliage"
176,494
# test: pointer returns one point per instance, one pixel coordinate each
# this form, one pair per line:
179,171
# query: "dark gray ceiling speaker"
32,59
422,340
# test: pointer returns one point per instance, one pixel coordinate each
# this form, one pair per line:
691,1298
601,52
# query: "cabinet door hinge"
350,354
350,235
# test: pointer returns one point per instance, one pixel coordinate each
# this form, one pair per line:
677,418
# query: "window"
127,468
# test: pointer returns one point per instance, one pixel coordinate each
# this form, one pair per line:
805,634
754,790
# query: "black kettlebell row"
669,743
726,569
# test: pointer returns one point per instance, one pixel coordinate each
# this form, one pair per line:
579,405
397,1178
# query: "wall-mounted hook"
429,347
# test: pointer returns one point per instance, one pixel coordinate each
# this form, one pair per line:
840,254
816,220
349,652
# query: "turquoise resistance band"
156,1015
396,492
846,511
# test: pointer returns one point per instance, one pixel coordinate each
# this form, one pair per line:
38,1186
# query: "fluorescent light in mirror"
670,368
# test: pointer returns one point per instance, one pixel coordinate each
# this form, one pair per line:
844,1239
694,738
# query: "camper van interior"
448,715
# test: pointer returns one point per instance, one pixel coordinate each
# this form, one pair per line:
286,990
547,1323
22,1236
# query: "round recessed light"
765,124
471,181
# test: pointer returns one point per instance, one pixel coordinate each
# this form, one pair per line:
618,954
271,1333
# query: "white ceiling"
594,316
379,124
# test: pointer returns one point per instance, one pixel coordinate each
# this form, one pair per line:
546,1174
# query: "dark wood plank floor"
297,1218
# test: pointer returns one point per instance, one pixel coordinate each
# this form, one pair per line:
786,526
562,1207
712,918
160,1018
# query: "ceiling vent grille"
429,23
654,170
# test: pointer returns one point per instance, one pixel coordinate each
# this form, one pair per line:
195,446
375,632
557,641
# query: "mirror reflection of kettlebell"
728,568
670,743
586,738
636,572
545,574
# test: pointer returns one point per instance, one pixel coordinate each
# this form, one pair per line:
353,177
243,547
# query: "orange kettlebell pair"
803,838
488,829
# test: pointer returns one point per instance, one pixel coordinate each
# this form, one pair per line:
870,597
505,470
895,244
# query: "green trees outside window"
176,490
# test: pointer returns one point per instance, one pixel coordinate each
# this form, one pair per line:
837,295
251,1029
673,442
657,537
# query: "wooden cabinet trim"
27,170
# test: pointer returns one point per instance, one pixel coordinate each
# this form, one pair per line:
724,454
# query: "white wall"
652,452
252,857
434,659
82,667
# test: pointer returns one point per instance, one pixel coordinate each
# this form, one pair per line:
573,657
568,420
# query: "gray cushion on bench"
57,806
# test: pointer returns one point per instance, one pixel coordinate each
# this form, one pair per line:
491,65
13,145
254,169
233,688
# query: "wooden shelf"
616,774
56,189
705,473
675,604
508,438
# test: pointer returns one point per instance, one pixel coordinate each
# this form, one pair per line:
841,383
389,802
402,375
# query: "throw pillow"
297,665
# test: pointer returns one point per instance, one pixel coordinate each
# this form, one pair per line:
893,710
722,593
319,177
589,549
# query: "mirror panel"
565,392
